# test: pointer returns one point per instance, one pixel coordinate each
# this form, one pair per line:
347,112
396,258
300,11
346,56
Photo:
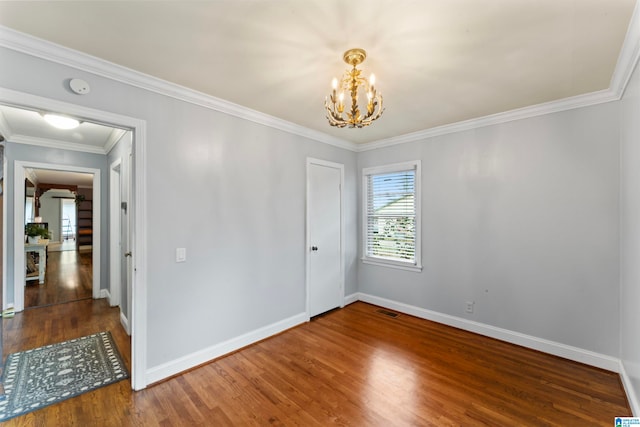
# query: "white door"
324,248
120,229
126,269
115,244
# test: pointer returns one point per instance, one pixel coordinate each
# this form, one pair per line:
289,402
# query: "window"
391,223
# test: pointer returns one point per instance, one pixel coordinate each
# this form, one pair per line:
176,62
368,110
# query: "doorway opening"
22,250
13,243
57,198
67,223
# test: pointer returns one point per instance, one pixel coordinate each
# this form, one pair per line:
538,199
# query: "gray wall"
521,218
50,211
630,237
32,153
230,191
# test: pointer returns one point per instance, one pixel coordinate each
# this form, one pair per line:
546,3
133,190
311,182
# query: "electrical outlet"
469,306
181,254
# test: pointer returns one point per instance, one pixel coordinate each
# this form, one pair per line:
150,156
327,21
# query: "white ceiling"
29,127
436,62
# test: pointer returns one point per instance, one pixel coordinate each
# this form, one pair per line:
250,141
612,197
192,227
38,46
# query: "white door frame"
4,228
137,209
340,167
115,198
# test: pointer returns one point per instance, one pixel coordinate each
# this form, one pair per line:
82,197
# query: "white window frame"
396,167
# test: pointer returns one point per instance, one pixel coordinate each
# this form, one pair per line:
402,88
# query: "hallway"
48,325
69,277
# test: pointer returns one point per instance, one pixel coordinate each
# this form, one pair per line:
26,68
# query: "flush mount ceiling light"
350,82
61,122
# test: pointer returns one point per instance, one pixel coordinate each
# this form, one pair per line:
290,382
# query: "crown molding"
44,49
5,129
629,54
114,137
626,64
498,118
627,60
31,176
55,143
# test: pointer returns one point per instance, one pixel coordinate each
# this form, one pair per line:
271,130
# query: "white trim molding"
5,129
55,143
40,48
208,354
627,384
628,57
627,61
44,49
125,323
350,299
576,354
571,103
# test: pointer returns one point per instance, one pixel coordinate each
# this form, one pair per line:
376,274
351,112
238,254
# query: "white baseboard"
628,388
350,299
557,349
104,293
588,357
192,360
125,322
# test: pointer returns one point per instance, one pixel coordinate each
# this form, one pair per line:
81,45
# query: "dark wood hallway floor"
69,277
353,366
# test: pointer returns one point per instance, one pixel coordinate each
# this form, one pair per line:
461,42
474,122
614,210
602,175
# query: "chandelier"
350,83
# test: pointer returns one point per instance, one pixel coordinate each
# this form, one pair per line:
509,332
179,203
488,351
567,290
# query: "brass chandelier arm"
336,120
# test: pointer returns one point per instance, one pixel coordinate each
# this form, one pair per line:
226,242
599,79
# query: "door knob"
127,254
314,248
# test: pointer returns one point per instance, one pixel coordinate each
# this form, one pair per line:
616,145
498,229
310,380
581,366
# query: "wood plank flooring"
353,366
69,277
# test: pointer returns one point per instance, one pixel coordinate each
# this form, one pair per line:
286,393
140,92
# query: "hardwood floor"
353,366
69,277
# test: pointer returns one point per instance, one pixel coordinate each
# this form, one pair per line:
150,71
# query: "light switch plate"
181,254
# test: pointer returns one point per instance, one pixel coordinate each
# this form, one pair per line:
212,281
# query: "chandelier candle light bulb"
351,81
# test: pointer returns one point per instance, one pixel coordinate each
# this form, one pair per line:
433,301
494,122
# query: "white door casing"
325,253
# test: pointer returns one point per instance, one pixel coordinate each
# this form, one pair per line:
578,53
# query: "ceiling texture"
436,62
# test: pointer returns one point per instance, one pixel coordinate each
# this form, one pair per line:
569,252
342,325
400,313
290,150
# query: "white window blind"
391,212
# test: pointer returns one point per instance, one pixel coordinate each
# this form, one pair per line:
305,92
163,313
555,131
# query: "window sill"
392,264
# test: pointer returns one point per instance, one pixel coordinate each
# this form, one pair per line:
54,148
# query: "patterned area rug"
43,376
